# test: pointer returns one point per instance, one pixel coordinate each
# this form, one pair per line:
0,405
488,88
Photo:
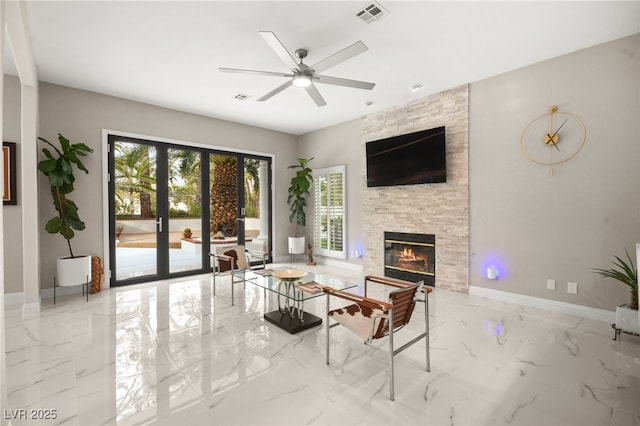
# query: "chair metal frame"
387,315
216,266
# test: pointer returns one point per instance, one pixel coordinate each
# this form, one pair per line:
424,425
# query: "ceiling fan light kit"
301,80
303,75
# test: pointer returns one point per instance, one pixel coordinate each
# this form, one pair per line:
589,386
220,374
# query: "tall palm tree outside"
135,179
136,204
184,183
224,195
252,187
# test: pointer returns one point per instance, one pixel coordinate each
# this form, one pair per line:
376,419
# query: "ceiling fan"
303,75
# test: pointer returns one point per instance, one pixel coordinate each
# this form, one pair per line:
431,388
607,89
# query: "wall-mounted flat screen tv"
410,159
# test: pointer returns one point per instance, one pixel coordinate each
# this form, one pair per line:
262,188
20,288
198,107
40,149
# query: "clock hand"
551,141
554,135
556,132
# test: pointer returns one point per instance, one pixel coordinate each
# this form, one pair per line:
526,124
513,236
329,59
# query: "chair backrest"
403,302
241,262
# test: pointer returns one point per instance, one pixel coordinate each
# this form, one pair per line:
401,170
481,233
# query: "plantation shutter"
329,204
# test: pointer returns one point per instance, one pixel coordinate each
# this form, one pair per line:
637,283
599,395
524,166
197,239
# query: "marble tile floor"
171,353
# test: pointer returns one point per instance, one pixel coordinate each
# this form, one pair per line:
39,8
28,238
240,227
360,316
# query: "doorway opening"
170,205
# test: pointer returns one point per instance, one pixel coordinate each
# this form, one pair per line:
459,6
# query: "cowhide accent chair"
227,259
374,319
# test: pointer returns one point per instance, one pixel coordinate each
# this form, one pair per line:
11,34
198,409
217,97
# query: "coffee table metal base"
292,324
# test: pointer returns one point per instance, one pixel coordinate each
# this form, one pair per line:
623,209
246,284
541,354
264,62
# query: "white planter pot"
296,245
72,271
638,263
627,319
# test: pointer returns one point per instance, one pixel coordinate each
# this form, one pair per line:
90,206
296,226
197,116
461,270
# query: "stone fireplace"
410,257
441,209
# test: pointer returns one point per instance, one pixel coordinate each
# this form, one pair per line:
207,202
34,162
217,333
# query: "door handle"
159,223
241,219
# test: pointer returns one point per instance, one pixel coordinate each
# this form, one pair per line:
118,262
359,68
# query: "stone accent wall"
440,209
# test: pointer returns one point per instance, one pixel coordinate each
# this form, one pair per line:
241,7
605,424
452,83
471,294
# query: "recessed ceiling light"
415,87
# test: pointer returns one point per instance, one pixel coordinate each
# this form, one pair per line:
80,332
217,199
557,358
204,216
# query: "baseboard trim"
29,309
320,260
338,263
546,304
12,299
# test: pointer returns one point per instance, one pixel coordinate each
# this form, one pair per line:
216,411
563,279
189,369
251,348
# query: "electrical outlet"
551,284
572,288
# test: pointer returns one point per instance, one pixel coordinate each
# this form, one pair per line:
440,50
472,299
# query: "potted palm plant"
297,201
627,315
58,167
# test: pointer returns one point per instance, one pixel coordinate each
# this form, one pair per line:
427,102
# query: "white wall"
536,226
81,116
12,215
334,146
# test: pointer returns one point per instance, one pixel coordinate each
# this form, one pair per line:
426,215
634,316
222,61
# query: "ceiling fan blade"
242,71
325,79
339,57
279,48
275,91
312,90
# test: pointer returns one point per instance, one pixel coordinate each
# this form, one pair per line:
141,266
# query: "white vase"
296,245
628,319
72,271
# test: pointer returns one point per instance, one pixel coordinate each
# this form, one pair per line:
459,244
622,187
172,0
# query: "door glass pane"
224,201
185,218
135,209
256,204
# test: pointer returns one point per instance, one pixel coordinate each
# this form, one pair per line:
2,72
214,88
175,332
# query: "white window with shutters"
329,225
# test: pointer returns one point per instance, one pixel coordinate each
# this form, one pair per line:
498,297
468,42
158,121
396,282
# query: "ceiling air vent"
372,12
242,96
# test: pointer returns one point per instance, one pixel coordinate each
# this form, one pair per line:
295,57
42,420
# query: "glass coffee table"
293,287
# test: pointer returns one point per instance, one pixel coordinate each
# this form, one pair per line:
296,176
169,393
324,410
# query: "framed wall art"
9,195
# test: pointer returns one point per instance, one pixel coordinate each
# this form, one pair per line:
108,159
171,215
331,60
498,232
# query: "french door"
171,205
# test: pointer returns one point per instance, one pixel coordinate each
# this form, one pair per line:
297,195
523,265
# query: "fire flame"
408,255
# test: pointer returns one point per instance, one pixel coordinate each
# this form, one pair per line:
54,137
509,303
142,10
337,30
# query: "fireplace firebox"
410,257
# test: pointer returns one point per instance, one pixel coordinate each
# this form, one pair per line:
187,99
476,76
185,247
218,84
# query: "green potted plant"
299,191
58,167
627,316
186,233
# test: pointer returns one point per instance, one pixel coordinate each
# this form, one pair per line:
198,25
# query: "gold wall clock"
553,138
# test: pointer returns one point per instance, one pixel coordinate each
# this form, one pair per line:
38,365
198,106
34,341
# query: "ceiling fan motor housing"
302,75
